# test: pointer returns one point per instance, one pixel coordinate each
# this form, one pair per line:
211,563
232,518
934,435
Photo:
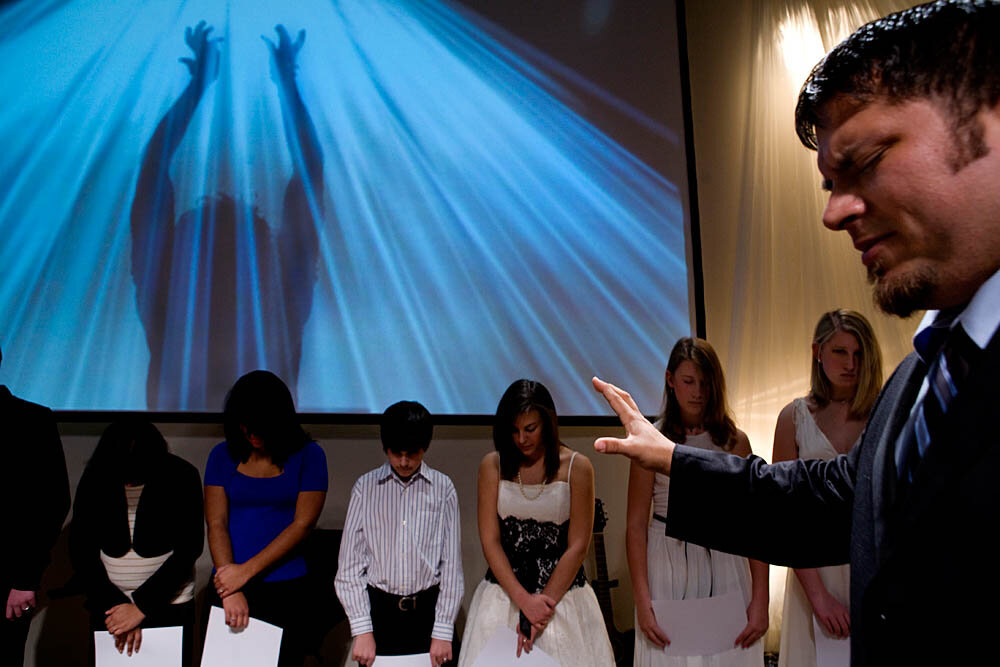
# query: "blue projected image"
375,200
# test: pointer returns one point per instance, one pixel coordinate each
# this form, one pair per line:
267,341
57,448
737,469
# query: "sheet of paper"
830,651
160,647
501,651
256,645
702,626
415,660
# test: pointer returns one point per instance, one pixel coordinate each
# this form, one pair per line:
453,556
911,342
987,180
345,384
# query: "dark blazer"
924,586
34,494
169,517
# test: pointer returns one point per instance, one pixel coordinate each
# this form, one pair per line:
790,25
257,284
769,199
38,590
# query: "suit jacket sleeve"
45,486
794,513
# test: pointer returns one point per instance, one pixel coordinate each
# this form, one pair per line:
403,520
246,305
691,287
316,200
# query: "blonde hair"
869,372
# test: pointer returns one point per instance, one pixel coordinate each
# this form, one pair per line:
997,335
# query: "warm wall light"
800,42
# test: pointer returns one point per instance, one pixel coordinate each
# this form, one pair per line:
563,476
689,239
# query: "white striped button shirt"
402,539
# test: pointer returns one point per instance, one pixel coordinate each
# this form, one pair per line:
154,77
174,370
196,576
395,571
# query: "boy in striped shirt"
399,576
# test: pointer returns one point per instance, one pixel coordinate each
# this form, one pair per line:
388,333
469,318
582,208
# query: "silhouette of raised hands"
284,53
204,66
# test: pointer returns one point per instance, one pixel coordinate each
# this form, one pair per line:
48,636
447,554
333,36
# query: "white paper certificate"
702,626
256,645
501,650
415,660
830,651
160,647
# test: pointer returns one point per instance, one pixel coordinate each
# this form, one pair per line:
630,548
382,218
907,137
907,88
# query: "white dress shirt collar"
980,319
386,473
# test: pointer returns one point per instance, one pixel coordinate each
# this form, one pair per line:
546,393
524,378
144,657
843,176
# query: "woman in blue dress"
264,490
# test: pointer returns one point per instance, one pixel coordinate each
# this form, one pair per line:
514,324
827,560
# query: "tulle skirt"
576,635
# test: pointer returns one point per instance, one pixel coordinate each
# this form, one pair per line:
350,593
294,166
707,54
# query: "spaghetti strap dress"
534,532
798,645
679,570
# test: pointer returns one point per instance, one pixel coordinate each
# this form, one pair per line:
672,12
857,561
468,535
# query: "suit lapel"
909,377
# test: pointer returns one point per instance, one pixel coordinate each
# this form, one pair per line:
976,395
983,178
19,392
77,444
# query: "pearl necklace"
526,496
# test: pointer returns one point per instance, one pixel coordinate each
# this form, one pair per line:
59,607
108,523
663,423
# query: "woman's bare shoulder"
573,463
490,462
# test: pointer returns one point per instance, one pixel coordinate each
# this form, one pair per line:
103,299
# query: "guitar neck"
602,581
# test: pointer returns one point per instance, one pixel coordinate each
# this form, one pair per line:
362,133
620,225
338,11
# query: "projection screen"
375,200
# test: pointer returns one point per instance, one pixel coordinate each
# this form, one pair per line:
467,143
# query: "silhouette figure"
218,290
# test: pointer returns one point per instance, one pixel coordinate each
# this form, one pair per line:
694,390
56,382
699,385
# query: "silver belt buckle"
407,603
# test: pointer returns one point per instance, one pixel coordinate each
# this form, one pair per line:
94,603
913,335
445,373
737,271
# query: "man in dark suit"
35,499
905,117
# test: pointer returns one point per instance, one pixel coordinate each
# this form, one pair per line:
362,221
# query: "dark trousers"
13,633
168,616
402,625
286,604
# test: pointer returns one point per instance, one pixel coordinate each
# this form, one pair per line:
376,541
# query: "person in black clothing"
220,291
136,533
35,499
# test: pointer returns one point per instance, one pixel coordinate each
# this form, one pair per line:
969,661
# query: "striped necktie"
953,353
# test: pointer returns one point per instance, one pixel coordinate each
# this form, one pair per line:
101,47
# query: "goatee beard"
905,294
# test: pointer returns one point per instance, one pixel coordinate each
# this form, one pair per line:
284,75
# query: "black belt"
419,600
659,517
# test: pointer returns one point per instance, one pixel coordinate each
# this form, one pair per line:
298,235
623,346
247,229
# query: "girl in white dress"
695,414
845,380
536,516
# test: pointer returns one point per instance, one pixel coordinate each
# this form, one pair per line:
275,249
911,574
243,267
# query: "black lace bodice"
533,549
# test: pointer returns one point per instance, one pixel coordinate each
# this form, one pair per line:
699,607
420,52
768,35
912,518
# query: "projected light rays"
471,226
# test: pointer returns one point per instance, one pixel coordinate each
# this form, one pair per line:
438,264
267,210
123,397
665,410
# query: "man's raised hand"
643,443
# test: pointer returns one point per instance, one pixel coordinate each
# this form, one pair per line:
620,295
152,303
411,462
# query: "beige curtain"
770,267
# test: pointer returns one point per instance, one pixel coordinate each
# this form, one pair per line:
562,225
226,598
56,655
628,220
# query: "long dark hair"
129,452
718,422
524,396
260,404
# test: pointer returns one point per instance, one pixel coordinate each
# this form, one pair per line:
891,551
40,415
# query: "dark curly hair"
947,50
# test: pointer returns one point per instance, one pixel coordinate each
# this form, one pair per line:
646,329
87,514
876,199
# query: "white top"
131,571
811,441
552,503
661,483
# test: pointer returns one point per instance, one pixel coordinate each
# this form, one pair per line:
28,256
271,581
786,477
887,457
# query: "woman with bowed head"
845,380
695,413
264,490
137,530
536,515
